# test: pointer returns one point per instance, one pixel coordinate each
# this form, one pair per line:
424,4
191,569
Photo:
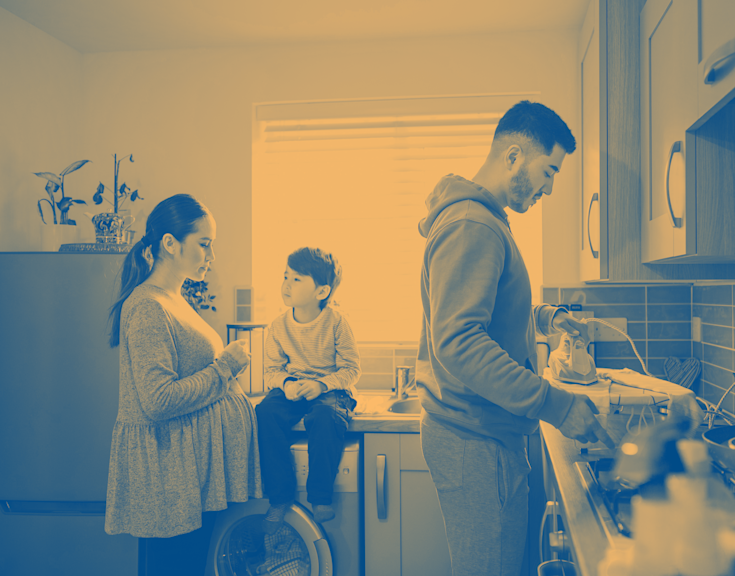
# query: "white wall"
40,129
186,118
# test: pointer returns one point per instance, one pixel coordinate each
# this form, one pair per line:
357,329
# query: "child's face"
300,291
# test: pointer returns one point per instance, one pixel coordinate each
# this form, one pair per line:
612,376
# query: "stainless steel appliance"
59,404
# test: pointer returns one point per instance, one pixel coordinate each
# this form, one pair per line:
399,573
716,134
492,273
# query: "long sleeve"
275,372
154,359
465,265
347,359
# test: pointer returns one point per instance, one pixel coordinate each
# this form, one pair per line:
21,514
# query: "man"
476,363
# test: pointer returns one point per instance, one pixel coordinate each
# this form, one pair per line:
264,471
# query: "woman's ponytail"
135,270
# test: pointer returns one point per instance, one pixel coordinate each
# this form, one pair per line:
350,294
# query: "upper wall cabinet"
716,77
677,49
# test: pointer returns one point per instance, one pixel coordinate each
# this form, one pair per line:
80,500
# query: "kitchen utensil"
717,440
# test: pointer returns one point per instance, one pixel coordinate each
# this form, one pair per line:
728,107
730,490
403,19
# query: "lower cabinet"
404,528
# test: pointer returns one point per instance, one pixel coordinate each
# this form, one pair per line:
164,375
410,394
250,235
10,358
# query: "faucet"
402,383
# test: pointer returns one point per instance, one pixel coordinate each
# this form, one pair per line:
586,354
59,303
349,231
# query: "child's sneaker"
323,512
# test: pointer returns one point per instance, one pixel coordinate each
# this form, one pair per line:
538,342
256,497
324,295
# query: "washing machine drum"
240,547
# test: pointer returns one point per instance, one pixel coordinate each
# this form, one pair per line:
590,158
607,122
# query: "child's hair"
321,266
177,216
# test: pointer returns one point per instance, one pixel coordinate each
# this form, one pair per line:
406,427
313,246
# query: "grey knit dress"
185,440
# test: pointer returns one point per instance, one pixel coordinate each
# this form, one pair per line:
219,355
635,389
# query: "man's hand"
565,322
291,389
581,424
310,389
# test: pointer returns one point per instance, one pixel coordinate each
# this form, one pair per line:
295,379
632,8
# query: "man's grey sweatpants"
483,493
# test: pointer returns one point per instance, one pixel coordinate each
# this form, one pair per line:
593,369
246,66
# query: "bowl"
718,444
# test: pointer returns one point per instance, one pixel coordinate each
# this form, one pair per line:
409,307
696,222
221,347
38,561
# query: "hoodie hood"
451,189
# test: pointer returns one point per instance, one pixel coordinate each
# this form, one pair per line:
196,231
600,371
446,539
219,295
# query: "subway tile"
375,382
696,386
550,295
619,363
381,365
717,335
669,312
633,312
697,350
656,367
637,330
604,295
717,376
721,357
712,294
669,330
714,394
678,294
619,349
714,314
666,348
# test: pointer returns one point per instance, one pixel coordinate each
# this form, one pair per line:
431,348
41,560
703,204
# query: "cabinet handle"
550,510
595,198
675,147
380,486
724,52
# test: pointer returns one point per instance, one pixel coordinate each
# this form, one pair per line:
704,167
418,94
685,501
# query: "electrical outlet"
696,329
606,334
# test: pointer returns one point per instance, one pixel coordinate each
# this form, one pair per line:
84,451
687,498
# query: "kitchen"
185,111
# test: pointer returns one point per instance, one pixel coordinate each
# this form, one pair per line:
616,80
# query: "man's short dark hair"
538,123
321,266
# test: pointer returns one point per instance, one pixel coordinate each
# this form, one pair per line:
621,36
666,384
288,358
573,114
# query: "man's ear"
323,292
513,155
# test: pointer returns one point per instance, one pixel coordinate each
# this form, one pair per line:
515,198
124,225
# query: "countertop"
368,418
591,533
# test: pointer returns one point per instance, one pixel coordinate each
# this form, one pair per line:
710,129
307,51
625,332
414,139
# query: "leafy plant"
196,294
54,184
119,194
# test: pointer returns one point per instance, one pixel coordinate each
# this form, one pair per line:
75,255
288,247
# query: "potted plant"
110,226
54,184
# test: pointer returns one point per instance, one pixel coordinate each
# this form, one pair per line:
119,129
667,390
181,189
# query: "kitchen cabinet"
607,60
687,214
404,527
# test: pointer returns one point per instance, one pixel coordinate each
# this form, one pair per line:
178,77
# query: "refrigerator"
58,404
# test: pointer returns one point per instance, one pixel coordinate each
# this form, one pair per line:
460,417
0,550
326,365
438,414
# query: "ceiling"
122,25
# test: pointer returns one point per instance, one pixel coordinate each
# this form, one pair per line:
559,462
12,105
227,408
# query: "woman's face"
196,252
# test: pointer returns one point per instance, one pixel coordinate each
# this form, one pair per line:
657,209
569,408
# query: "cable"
586,320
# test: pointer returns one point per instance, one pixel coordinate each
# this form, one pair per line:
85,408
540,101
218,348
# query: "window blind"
352,180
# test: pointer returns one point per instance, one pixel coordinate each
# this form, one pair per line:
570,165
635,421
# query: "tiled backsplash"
379,362
660,323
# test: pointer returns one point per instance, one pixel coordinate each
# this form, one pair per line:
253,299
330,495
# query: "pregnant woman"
185,440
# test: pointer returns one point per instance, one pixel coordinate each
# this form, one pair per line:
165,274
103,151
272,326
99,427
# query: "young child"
311,366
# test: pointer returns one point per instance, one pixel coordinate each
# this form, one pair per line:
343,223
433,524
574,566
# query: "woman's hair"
321,266
177,216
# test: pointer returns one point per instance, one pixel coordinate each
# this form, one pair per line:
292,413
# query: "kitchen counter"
371,418
588,525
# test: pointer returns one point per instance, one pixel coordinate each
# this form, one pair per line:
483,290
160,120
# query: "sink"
407,406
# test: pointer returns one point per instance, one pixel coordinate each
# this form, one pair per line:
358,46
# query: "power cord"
645,369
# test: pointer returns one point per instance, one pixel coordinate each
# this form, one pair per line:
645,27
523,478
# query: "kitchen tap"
402,383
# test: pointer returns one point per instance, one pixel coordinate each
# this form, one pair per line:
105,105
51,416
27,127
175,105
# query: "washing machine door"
241,548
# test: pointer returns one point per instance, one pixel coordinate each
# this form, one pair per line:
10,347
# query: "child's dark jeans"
326,419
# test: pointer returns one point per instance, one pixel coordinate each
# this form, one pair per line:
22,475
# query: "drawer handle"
595,198
724,52
675,147
380,487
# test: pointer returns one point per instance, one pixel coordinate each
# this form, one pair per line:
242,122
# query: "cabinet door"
589,66
716,77
668,109
424,548
382,461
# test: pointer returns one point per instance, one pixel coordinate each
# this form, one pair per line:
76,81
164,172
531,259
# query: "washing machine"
303,547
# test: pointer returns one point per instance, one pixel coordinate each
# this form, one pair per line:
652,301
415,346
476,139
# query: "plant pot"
54,235
108,227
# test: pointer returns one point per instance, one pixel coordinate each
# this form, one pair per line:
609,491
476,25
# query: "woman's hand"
237,350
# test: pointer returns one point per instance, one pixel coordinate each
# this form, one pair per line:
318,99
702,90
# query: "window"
351,177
